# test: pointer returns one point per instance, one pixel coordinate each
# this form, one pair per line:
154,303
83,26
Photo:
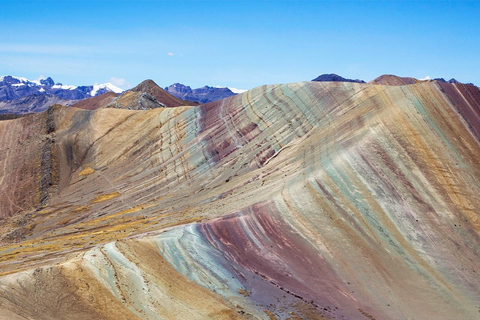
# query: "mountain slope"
97,102
308,200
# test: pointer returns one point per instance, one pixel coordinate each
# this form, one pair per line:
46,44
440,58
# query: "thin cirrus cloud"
66,50
171,54
44,49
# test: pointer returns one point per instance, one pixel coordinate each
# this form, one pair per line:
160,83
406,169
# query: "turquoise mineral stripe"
431,122
196,259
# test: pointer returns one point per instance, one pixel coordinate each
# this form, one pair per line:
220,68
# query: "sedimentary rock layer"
307,200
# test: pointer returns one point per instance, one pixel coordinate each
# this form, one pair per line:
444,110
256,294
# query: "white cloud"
425,79
171,54
120,82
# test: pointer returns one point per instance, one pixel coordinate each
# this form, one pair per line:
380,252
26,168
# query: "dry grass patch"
86,171
106,197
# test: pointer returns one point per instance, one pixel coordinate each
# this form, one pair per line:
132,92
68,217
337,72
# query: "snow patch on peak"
237,91
108,86
65,87
37,81
25,80
21,79
234,90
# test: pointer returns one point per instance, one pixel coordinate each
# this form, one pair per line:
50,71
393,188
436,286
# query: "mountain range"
386,79
12,88
204,94
307,200
20,95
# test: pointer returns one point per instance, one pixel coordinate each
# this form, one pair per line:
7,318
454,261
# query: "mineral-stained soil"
97,102
312,200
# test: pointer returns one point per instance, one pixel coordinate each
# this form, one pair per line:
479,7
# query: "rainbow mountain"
309,200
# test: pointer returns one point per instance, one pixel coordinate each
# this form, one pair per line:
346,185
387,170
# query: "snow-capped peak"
234,90
21,79
38,80
237,91
108,86
25,81
47,83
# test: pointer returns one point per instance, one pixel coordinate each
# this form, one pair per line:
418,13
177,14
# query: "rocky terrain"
310,200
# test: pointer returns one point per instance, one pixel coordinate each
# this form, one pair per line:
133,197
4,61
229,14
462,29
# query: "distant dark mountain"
392,80
453,80
20,95
47,82
335,77
203,95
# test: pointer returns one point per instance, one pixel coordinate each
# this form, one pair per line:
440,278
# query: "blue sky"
241,44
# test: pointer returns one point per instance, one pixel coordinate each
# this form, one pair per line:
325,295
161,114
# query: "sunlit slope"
313,200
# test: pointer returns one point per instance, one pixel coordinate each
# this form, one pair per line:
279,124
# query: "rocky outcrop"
49,170
47,82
